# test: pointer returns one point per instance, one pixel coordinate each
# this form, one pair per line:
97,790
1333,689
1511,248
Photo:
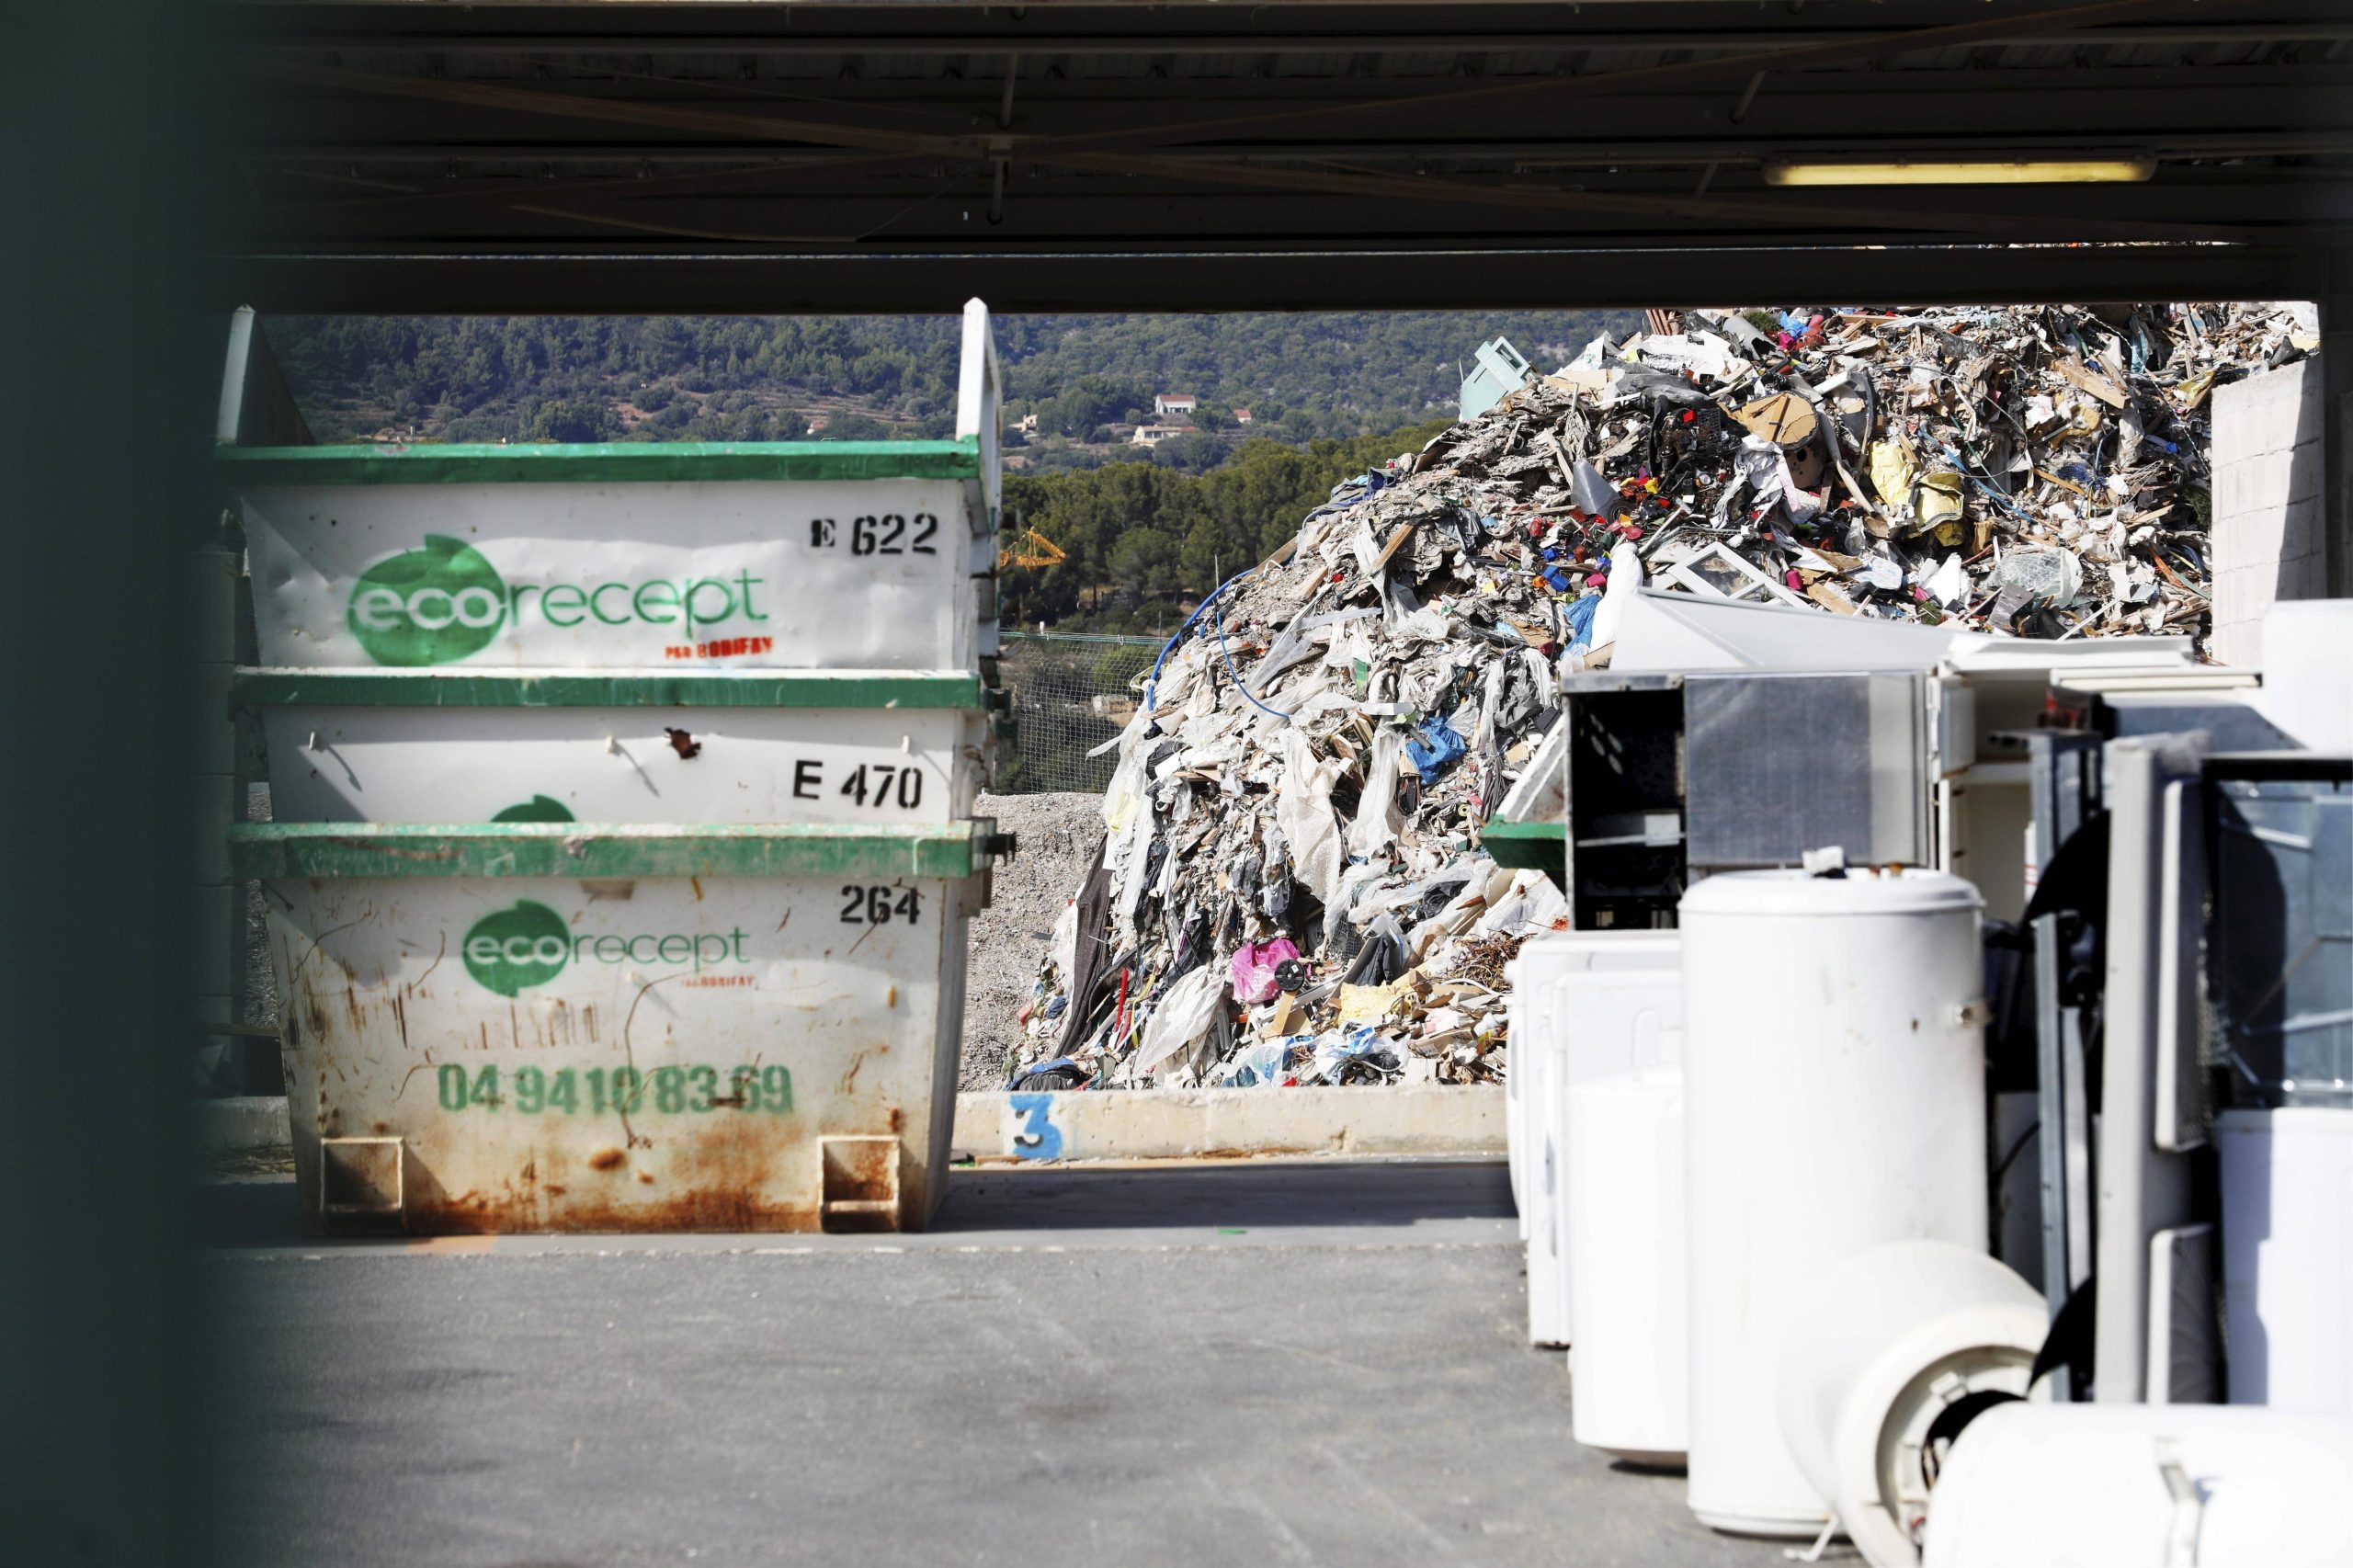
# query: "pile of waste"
1293,889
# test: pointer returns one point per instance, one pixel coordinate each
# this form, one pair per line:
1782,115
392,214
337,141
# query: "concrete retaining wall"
1176,1124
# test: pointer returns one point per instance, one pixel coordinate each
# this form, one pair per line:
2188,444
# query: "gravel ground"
1058,834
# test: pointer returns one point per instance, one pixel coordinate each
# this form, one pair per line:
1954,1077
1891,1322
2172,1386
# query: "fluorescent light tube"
2024,171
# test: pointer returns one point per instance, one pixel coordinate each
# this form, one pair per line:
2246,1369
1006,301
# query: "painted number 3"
1035,1136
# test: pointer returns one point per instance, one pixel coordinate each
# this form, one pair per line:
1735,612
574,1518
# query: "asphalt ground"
1233,1364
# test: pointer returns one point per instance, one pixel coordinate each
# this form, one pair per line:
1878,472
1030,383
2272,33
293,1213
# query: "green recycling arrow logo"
430,605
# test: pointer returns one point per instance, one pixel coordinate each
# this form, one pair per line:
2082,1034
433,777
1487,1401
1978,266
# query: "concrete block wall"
2270,511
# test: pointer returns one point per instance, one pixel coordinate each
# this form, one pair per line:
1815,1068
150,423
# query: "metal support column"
2337,420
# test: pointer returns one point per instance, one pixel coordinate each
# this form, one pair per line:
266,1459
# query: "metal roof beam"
1078,215
1650,79
1554,154
556,280
1866,111
610,111
1577,35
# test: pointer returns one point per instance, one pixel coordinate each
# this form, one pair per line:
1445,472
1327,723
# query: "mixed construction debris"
1293,889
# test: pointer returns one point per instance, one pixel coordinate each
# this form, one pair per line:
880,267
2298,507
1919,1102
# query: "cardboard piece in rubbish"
1784,419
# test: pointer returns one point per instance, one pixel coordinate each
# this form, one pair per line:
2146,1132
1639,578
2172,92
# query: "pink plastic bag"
1253,968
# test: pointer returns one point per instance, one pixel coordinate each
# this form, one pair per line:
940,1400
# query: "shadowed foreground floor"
1210,1365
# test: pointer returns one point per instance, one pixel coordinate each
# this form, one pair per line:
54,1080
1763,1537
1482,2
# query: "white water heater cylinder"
1834,1101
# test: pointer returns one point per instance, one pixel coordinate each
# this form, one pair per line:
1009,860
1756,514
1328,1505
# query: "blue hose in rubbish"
1374,480
1219,622
1152,681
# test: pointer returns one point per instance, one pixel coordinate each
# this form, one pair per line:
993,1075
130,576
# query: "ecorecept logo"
510,950
430,605
443,601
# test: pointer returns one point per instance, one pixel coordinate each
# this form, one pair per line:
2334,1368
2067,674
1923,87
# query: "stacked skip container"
622,843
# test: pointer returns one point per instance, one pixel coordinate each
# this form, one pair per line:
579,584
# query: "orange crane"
1030,547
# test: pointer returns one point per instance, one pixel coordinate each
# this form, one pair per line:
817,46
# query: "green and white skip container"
776,555
527,1026
622,846
855,748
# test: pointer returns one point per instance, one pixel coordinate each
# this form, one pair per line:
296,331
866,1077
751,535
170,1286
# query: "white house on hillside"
1166,403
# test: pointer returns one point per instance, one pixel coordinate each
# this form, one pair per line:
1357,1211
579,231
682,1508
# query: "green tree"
572,422
1210,555
357,373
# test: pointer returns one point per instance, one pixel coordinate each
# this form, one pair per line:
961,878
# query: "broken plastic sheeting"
1580,620
2054,576
1532,904
1380,956
1486,882
1304,809
1765,469
1437,745
1408,620
1377,819
1700,351
1124,795
1297,643
1589,491
1132,853
1263,1064
1335,1053
1184,1014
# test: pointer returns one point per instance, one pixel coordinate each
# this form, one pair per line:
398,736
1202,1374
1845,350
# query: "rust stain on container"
698,1211
739,1093
723,1178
